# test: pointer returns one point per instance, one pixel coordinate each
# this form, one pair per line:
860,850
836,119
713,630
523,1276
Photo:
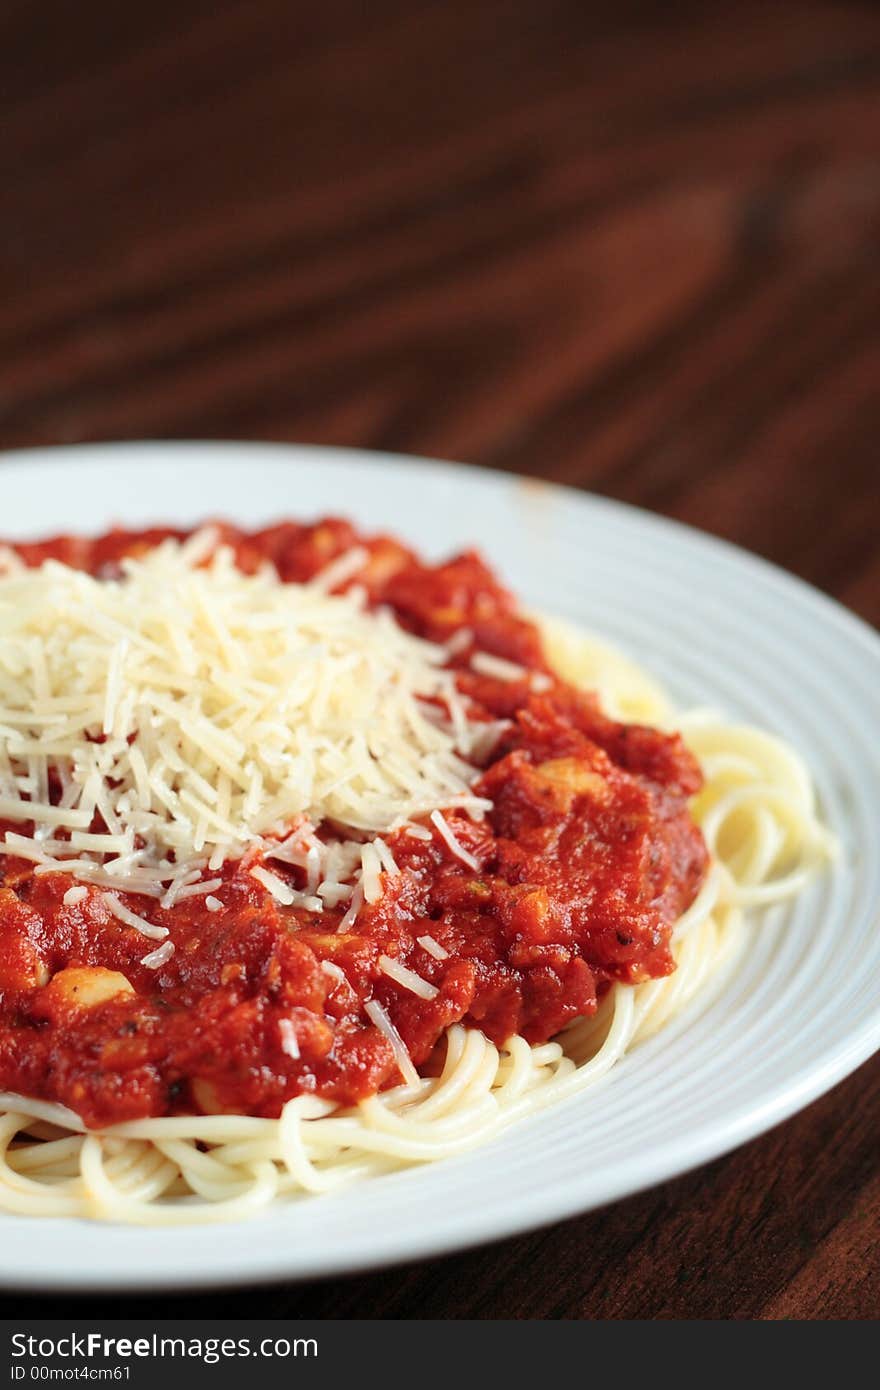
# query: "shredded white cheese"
75,895
433,947
131,919
281,891
379,1017
459,641
487,665
189,712
195,890
348,918
289,1043
406,978
371,867
340,570
455,845
156,959
419,832
386,858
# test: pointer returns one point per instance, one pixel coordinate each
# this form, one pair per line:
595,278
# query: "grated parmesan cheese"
131,919
406,978
156,959
379,1017
199,712
281,891
459,641
433,947
340,570
195,890
348,918
487,665
419,832
289,1043
454,844
371,866
386,858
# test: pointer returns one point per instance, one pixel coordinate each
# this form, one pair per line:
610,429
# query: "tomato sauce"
588,857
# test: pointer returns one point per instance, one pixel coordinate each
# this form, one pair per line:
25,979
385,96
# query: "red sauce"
589,857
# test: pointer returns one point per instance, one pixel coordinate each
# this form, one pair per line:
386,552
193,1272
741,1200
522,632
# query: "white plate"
719,626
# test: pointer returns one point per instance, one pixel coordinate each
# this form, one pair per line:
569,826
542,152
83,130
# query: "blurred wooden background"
628,246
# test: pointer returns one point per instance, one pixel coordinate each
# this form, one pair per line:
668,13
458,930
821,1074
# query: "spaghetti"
758,817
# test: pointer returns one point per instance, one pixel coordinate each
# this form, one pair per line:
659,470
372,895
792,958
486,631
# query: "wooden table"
627,246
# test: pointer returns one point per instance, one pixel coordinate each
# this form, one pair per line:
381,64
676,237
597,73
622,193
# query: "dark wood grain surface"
632,247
